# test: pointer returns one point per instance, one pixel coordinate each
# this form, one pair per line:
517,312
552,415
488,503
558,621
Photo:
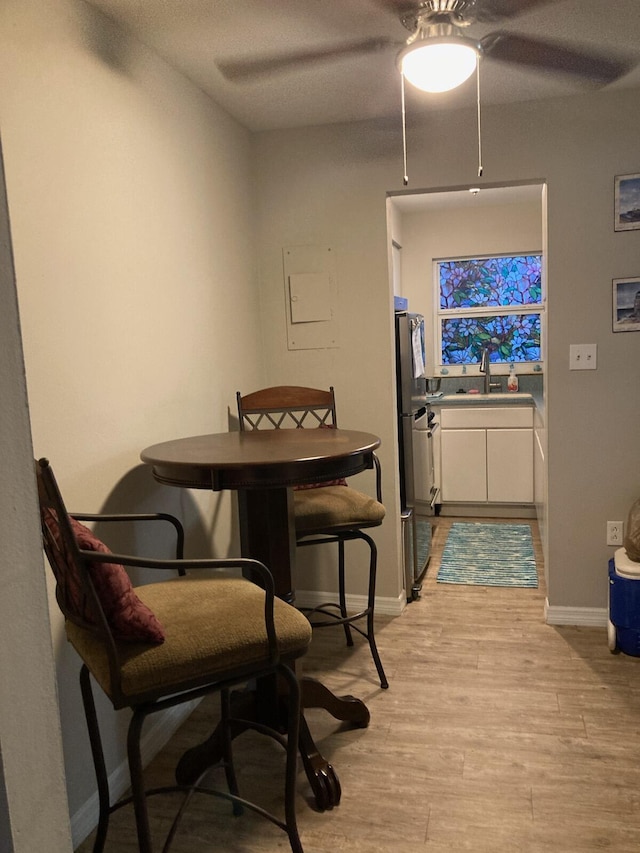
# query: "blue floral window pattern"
492,303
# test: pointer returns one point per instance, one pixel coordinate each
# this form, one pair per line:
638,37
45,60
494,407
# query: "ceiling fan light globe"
438,67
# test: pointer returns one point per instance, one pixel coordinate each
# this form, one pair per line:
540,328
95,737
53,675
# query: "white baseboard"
384,606
488,510
588,617
161,728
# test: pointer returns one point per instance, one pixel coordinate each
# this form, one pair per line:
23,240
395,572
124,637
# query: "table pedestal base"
246,705
261,466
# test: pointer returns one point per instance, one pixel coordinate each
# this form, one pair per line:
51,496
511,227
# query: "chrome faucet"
485,367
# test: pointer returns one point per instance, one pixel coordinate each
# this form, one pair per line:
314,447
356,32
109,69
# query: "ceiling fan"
438,23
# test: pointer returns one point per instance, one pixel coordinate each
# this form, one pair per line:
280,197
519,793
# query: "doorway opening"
469,222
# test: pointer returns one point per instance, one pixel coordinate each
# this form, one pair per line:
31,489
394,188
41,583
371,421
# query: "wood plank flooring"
498,733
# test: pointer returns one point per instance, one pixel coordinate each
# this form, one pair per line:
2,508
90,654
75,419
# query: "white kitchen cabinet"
510,466
486,455
463,465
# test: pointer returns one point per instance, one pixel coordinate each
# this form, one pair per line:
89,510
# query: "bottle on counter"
512,381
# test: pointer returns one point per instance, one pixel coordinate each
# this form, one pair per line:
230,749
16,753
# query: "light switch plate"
583,356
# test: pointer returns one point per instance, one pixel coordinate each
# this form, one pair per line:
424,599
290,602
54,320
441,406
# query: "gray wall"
327,186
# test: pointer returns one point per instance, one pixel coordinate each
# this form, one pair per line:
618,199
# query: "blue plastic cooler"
624,604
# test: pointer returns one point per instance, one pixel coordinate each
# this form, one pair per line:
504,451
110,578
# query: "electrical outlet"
615,532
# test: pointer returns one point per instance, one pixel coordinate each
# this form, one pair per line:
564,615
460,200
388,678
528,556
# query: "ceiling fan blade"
521,50
488,11
399,7
245,69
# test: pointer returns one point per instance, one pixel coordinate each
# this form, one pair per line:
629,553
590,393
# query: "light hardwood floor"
498,733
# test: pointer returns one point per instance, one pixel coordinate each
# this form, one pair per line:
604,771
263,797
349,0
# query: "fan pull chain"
480,167
405,179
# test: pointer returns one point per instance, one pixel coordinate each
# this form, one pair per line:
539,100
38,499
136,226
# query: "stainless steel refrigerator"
412,412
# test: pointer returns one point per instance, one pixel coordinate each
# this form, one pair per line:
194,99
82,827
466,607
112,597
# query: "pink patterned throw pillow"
128,617
339,482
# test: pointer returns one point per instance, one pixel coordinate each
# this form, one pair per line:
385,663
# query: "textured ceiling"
193,35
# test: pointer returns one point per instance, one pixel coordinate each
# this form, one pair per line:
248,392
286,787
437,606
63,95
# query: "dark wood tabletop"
260,458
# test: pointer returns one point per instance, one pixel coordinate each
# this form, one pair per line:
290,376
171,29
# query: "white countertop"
509,398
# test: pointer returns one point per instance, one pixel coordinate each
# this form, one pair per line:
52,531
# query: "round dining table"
263,466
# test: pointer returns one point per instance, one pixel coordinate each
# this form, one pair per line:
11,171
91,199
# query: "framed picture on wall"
627,202
626,304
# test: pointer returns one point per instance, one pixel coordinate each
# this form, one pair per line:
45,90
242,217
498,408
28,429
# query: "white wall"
327,186
31,762
131,202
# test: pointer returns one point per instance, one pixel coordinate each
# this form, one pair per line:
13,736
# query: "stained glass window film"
493,303
509,337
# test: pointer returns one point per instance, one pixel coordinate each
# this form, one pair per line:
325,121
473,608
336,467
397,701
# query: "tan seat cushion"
335,506
212,625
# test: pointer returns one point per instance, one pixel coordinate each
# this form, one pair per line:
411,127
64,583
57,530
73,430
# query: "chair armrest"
246,563
139,516
378,475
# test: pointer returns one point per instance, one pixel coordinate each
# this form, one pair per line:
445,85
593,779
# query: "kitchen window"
492,301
